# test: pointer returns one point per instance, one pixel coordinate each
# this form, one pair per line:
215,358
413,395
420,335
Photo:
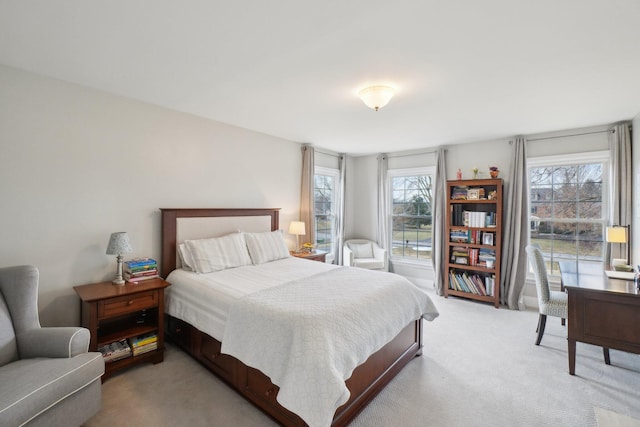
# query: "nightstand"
313,256
113,313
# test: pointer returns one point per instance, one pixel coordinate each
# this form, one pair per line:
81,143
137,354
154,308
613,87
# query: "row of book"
473,256
129,347
140,269
463,218
473,236
474,284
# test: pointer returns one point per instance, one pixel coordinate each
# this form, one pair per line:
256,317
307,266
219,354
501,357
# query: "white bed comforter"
308,336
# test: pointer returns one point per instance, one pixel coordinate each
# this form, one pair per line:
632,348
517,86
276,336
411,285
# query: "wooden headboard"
171,217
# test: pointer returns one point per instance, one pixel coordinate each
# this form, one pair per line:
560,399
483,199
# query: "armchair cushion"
38,384
53,342
361,250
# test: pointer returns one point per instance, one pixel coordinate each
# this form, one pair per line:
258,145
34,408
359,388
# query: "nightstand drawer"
127,304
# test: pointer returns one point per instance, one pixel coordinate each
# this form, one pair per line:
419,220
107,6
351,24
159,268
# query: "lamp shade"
376,97
119,244
297,228
616,234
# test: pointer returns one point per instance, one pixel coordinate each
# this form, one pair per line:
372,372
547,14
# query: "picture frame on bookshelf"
473,194
487,239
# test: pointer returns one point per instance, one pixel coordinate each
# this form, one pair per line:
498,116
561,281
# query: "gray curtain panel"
383,214
515,233
307,207
620,178
438,223
342,159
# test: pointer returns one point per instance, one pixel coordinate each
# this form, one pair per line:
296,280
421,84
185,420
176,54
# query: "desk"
602,311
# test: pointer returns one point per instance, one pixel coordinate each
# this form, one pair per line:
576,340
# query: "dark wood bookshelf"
468,276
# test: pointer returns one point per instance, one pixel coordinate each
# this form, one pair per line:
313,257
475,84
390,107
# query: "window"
411,195
326,203
568,207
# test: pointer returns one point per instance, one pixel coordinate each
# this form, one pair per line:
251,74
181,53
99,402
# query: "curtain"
340,217
383,233
307,208
515,230
621,178
438,224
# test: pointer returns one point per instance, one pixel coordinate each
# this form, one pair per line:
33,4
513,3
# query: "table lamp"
619,234
118,245
297,228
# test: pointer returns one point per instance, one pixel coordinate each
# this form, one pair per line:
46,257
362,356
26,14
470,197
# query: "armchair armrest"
347,256
380,253
53,342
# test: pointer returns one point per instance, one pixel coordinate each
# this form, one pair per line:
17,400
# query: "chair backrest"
540,271
18,307
361,248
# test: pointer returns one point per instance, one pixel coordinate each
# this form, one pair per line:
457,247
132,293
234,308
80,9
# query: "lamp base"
118,282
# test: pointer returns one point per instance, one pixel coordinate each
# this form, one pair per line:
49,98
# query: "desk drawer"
127,304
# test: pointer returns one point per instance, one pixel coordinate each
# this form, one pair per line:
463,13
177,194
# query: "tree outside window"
325,198
568,212
411,229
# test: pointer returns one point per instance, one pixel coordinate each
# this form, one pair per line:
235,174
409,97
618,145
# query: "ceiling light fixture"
376,97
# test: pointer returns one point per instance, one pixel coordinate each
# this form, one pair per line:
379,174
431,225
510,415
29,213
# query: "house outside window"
568,207
326,204
411,198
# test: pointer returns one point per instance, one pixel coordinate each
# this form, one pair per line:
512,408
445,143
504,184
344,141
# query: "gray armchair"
47,377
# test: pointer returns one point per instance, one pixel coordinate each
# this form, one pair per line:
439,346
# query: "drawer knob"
214,355
130,302
269,392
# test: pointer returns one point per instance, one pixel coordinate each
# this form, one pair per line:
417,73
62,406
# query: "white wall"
77,164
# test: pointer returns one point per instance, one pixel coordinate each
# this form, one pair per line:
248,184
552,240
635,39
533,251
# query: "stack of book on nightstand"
140,269
115,351
144,343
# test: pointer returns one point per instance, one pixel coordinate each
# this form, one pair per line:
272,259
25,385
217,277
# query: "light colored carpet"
479,367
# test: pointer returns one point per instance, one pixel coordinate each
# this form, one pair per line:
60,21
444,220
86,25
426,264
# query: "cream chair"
365,253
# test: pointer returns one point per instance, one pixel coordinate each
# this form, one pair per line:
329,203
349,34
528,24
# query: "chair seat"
37,384
370,263
556,306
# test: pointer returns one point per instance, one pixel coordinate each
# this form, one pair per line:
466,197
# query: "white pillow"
219,253
267,246
185,257
361,250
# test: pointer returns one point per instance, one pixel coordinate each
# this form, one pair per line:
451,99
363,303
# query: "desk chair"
550,303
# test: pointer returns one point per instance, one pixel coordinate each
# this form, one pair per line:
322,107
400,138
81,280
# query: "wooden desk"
602,311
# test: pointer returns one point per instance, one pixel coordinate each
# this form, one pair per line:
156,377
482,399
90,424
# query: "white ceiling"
465,70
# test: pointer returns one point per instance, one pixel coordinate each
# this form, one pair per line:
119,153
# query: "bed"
211,324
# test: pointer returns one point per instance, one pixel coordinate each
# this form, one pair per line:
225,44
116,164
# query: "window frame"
335,173
393,173
603,157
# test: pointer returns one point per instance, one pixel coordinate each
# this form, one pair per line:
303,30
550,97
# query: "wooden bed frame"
364,384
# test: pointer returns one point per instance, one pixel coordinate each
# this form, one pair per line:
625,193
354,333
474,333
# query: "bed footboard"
365,383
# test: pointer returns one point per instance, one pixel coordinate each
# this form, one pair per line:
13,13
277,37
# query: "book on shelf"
140,269
141,340
139,262
459,192
115,351
135,279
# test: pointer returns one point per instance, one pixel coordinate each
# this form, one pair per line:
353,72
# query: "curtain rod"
409,155
573,134
337,156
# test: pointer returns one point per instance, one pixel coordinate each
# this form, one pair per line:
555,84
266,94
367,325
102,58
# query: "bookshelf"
474,239
127,314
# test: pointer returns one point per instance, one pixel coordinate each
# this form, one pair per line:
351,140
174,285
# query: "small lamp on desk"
297,228
118,245
619,234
